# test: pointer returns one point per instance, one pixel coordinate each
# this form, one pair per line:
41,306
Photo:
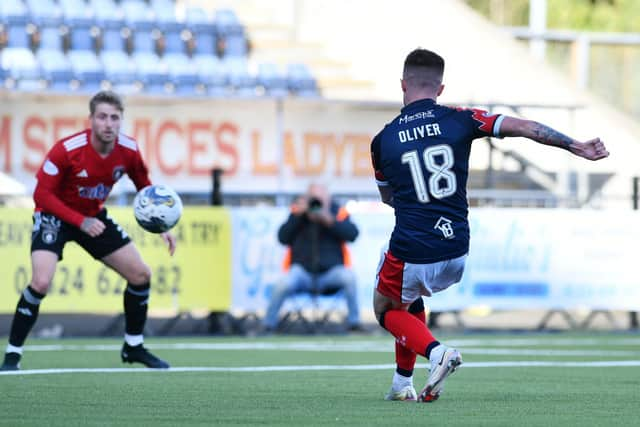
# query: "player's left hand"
171,241
593,149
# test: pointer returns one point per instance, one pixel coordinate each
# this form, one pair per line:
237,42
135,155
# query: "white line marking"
355,347
294,368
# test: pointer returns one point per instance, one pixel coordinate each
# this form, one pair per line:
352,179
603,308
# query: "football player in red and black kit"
74,180
421,164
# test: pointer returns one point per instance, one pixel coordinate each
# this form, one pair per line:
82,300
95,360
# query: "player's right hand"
593,149
92,226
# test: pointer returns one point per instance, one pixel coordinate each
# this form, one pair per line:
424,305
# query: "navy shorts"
51,234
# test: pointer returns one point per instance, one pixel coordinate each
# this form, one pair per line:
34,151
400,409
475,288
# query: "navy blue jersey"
423,155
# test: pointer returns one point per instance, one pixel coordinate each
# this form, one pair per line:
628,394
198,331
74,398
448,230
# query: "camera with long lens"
314,204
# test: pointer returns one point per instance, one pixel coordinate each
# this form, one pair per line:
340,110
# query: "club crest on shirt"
118,171
444,225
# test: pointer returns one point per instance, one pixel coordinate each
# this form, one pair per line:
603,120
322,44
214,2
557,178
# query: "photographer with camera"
317,261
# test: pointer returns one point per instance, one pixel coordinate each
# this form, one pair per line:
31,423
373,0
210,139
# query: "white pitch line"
298,368
355,346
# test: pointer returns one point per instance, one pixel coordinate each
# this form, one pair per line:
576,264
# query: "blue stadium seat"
56,69
206,39
213,74
21,69
183,74
14,18
300,80
195,16
173,40
50,37
272,80
231,31
76,12
165,12
120,71
144,40
13,12
44,12
151,72
137,14
87,69
243,83
228,23
105,12
81,36
112,38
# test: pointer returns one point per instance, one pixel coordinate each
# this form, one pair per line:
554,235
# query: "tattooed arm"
593,149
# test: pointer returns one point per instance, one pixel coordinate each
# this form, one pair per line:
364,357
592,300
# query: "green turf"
513,396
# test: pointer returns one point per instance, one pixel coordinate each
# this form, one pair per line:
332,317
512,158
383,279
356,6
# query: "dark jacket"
316,247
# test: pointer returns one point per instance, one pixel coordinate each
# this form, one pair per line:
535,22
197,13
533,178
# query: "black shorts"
51,234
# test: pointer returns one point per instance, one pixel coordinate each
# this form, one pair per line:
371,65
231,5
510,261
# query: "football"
157,208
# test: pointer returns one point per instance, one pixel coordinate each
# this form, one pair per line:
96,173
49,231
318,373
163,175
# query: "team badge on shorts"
50,226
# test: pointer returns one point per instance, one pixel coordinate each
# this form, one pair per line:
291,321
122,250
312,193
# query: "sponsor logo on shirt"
99,192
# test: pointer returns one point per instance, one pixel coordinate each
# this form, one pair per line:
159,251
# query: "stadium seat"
56,69
144,40
300,80
112,38
183,74
151,72
232,33
87,70
228,23
243,83
165,12
76,12
106,11
21,69
272,80
206,39
195,16
120,71
50,37
81,36
173,38
137,14
213,75
14,19
13,12
44,12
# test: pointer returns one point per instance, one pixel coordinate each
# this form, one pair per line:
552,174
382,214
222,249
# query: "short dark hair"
106,97
423,68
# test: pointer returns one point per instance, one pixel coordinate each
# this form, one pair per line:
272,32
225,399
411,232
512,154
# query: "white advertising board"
519,258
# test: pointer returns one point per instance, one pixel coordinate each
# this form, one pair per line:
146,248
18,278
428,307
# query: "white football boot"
407,393
444,362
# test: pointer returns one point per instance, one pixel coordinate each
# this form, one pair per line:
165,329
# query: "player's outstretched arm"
592,149
171,242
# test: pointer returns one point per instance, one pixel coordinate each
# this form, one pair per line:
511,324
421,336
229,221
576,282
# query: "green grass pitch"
506,380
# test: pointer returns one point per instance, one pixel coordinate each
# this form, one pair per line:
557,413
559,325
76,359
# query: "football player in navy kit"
421,164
